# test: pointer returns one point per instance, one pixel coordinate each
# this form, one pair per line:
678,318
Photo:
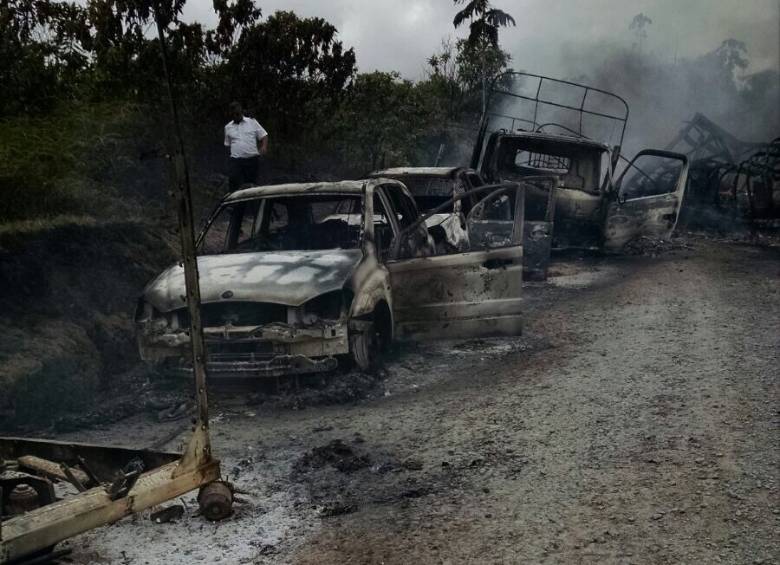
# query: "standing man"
247,141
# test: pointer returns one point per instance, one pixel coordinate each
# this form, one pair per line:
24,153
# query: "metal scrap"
730,178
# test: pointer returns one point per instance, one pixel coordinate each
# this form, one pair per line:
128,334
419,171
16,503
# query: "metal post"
187,235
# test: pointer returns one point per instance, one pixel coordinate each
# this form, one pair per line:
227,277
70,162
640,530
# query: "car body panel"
289,277
655,215
472,294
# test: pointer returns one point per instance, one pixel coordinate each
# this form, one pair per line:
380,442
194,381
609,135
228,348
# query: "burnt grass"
66,321
344,475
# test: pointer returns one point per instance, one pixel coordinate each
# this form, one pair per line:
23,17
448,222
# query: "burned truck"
296,278
732,181
536,126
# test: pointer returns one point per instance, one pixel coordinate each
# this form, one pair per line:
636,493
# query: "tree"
478,62
234,19
481,47
127,59
290,69
639,26
443,80
383,119
43,45
485,20
732,55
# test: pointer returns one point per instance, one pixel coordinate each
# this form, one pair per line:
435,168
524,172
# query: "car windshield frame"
419,179
359,197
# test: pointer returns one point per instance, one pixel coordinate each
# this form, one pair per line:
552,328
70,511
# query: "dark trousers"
242,171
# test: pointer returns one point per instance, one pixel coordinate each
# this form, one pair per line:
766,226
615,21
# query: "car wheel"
368,346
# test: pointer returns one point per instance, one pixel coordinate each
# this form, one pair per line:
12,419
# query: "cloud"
401,34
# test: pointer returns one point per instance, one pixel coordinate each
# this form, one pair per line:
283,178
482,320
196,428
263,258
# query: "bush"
56,164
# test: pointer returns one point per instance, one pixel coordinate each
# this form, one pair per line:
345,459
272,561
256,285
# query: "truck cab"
536,129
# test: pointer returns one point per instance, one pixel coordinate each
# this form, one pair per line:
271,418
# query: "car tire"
367,347
364,350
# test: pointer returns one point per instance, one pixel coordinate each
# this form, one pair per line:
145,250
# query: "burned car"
432,186
536,126
296,277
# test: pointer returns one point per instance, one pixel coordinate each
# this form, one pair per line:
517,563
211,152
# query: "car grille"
237,314
238,349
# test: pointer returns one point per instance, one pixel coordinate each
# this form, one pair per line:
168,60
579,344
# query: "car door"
464,295
649,196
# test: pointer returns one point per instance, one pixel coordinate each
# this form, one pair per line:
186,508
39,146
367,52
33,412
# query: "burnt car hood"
282,277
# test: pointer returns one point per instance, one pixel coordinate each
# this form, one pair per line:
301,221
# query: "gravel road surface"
635,422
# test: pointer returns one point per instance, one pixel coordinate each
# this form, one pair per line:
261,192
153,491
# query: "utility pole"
189,258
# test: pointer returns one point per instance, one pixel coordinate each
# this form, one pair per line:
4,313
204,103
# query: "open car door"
649,195
472,294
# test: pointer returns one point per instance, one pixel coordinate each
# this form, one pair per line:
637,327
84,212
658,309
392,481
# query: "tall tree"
485,20
639,26
285,66
482,43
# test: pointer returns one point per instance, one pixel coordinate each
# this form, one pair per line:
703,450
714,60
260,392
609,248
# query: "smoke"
662,94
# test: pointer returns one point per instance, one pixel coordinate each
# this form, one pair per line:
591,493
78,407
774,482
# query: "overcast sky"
401,34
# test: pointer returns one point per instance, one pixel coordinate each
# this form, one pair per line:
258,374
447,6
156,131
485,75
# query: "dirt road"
636,422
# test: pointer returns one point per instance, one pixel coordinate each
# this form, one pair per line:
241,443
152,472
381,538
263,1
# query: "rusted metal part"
50,524
701,138
580,193
527,131
291,278
21,499
216,500
537,247
55,521
72,478
11,480
646,214
463,295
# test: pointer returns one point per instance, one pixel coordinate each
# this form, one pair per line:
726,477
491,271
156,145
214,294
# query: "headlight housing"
328,306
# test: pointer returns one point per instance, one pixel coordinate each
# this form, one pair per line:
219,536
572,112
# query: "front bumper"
246,352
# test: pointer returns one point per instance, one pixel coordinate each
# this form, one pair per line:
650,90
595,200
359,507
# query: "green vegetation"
83,110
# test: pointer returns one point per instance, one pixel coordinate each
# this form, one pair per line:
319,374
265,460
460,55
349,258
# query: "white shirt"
242,137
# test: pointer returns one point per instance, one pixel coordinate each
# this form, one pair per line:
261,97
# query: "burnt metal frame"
537,100
724,154
581,110
496,188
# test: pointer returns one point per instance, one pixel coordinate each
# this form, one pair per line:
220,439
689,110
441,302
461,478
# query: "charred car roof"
296,188
442,172
344,187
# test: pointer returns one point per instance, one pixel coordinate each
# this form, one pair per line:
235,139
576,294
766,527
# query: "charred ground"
634,422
